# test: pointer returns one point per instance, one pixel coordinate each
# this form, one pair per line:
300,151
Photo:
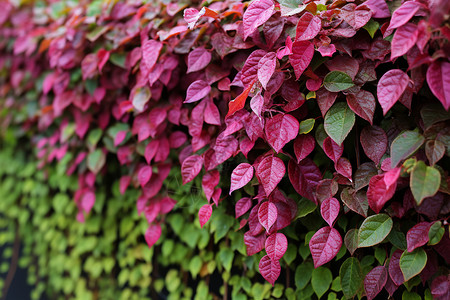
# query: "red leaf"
150,150
198,59
363,104
258,12
249,72
144,175
344,167
152,234
390,87
267,214
356,201
123,183
239,102
254,244
242,206
330,210
204,214
280,130
190,168
356,16
374,142
394,268
241,175
276,245
438,78
304,177
270,171
308,27
375,281
150,52
324,245
326,188
404,38
417,236
325,99
403,14
270,269
440,288
197,91
382,188
303,145
302,54
332,149
209,181
266,67
379,7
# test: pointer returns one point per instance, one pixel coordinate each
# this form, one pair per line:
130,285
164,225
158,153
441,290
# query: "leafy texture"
276,245
324,245
267,214
280,130
374,142
270,269
204,214
241,175
412,263
374,230
375,281
258,12
339,120
390,87
320,280
270,171
405,145
418,235
351,240
308,27
330,210
351,277
302,54
337,81
424,181
438,79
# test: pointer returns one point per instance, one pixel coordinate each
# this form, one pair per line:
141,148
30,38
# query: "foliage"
163,86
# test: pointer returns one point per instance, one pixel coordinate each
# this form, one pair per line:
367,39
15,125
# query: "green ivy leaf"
339,120
374,230
351,277
412,263
424,181
337,81
226,256
320,280
405,145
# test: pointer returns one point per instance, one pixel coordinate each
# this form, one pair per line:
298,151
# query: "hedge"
317,130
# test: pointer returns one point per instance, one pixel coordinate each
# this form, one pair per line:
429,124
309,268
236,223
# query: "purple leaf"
403,14
270,171
379,7
190,168
440,288
88,201
404,38
363,104
374,142
438,78
196,91
266,67
326,188
324,245
254,244
356,16
198,59
417,236
150,52
144,175
276,245
394,268
330,210
375,281
344,167
249,72
308,27
332,150
204,214
242,206
270,269
302,54
267,214
303,145
390,87
280,130
241,175
304,177
325,99
152,234
258,12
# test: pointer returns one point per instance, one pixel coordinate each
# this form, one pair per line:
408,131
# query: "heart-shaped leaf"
267,214
276,245
270,269
197,91
280,130
337,81
330,210
417,236
302,54
241,175
258,12
204,214
152,234
339,120
270,171
390,87
324,245
374,142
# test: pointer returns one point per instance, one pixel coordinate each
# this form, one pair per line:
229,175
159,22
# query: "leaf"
258,12
417,236
249,73
270,171
321,279
440,288
280,130
324,245
140,98
198,59
256,104
270,269
276,245
363,104
351,277
209,181
330,210
435,233
152,234
150,52
204,214
337,81
363,175
435,150
374,230
254,244
190,168
308,27
266,67
303,146
239,102
390,87
375,281
306,126
344,167
404,39
424,181
302,54
438,79
197,91
356,16
96,160
412,263
303,274
351,240
144,175
403,14
332,150
241,175
404,145
304,177
267,214
242,206
374,142
339,120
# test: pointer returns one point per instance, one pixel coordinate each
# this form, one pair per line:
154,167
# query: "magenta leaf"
144,175
404,38
270,269
190,168
330,210
417,236
303,145
280,130
332,150
344,167
124,183
374,142
363,104
196,91
266,67
267,214
256,104
390,87
379,7
305,177
270,171
209,181
403,14
241,175
375,281
438,78
150,52
88,201
198,59
249,73
324,245
242,206
382,188
302,54
440,287
356,16
258,12
254,244
152,234
204,214
308,27
394,268
276,245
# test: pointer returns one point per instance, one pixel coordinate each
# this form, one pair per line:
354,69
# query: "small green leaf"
372,27
424,181
405,145
320,280
412,263
398,239
410,296
96,161
435,233
306,126
311,95
195,266
374,230
351,277
339,120
226,256
303,274
337,81
305,207
351,240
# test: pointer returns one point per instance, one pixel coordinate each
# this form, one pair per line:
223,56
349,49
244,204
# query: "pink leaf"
249,72
144,175
327,50
196,91
241,175
302,54
211,113
417,236
440,288
120,136
280,130
403,14
270,171
379,7
152,234
276,245
438,78
204,214
308,27
325,99
374,142
267,214
375,281
330,210
304,177
324,245
285,50
380,192
242,206
198,59
356,16
256,104
190,168
254,244
150,52
258,12
394,268
404,38
303,145
363,104
270,269
266,67
88,200
150,150
209,181
390,87
123,183
332,149
152,211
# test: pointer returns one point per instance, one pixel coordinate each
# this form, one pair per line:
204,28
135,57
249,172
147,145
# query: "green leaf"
96,161
195,266
306,126
305,207
424,181
412,263
226,256
435,233
339,120
405,145
303,274
320,280
351,277
410,296
398,239
337,81
374,230
371,27
351,240
290,254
